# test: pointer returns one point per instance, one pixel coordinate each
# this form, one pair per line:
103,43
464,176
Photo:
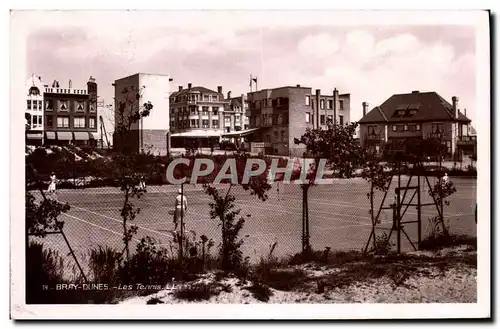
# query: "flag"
252,79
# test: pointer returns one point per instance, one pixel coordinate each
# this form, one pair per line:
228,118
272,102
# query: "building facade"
149,134
236,121
279,115
70,114
418,115
197,116
34,112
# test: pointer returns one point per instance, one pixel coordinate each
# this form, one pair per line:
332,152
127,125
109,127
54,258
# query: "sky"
363,54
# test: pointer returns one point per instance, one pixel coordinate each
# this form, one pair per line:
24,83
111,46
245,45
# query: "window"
268,138
79,106
341,120
34,121
194,123
371,130
29,104
322,119
330,104
215,123
341,104
205,110
40,120
405,128
312,104
448,146
308,117
63,106
192,109
437,128
215,110
206,98
35,105
308,100
49,106
257,105
282,135
91,122
62,122
465,130
79,122
275,135
34,91
417,127
329,119
214,98
204,123
394,128
50,121
322,104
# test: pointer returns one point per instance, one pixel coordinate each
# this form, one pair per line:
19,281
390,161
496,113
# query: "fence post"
181,238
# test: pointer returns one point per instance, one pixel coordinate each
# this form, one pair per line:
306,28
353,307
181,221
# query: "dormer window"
34,91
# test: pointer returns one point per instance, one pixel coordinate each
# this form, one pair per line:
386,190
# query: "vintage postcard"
250,164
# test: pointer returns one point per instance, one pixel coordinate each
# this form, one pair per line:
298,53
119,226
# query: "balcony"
466,140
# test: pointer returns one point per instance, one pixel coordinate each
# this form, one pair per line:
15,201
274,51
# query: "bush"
104,265
438,241
197,292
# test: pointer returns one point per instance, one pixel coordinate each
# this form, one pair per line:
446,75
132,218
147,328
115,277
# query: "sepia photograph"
261,164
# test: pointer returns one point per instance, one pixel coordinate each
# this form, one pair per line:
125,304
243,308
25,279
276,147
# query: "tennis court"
338,215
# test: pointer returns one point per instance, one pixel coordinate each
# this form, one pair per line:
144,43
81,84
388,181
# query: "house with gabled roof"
418,115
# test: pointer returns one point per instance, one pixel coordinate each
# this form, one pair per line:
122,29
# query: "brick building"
34,110
279,115
418,115
197,115
70,114
150,134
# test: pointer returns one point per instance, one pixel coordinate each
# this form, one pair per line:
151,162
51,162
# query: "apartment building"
197,115
34,112
70,114
418,115
149,134
279,115
236,121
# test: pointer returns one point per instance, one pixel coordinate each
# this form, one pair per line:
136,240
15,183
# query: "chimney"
335,99
454,100
298,86
316,115
365,106
189,86
180,88
465,110
415,92
228,94
219,89
70,84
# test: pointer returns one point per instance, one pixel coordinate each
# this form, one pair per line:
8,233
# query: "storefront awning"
240,133
34,135
197,134
50,135
81,135
64,135
93,136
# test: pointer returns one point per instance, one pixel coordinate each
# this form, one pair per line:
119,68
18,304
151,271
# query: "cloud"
369,62
318,46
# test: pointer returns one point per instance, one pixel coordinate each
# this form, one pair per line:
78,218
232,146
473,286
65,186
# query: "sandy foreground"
457,284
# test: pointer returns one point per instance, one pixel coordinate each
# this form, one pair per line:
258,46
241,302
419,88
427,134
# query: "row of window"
271,119
406,127
282,136
36,105
36,121
323,120
323,102
269,102
195,98
194,110
78,122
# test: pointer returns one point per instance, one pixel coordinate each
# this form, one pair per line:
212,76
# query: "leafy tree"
224,209
342,152
125,163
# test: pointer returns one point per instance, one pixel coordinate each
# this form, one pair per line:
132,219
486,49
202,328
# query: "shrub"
438,241
260,292
197,292
104,265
